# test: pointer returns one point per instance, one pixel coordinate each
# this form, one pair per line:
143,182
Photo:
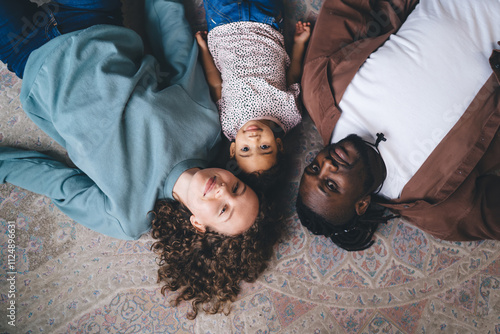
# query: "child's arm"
302,33
211,72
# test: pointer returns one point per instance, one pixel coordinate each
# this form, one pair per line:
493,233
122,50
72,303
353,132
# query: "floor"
72,280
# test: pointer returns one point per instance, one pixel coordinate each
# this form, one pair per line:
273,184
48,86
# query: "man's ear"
362,205
232,150
279,143
197,225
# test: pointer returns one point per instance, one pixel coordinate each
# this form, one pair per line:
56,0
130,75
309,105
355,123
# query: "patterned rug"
69,279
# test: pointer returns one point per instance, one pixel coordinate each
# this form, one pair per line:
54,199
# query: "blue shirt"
132,123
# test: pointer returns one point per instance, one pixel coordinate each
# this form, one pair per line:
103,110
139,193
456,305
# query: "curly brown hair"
208,267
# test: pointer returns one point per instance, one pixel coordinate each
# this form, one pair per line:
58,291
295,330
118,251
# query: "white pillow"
416,86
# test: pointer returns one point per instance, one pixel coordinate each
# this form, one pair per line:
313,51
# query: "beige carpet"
72,280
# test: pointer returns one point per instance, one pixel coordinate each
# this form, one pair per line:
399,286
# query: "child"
245,63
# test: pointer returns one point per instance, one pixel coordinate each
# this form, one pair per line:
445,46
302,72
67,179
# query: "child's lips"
252,128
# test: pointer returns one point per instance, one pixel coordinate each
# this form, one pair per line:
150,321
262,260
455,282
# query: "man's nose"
329,166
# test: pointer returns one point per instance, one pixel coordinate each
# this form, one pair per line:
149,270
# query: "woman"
140,129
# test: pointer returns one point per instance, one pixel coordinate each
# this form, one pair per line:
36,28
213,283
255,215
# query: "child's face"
255,147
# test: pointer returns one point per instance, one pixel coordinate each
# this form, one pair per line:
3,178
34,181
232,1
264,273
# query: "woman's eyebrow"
230,214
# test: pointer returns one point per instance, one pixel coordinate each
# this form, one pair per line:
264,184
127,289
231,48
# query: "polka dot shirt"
252,60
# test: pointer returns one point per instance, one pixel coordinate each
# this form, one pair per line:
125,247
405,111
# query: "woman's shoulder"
82,48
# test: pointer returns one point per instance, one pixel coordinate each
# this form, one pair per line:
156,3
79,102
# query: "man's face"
333,185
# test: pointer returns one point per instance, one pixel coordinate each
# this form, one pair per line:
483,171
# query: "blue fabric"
24,26
131,122
72,15
219,12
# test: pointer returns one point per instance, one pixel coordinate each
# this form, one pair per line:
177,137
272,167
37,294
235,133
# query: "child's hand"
201,39
302,32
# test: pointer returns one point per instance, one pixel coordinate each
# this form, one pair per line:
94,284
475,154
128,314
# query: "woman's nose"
221,189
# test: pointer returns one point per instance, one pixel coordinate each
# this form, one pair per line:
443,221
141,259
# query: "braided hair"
354,235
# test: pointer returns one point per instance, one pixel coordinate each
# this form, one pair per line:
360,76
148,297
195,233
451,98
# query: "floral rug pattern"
69,279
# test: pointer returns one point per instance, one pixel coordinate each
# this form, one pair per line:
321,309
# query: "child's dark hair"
266,181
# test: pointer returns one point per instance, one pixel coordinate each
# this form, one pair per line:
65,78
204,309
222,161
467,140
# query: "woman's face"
219,200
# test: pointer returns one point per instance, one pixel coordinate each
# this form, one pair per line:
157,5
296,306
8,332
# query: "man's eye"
245,149
223,209
264,147
314,168
331,185
235,188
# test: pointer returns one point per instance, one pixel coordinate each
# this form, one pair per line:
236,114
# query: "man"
433,93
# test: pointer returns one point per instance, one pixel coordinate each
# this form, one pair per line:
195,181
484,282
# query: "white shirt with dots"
252,60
